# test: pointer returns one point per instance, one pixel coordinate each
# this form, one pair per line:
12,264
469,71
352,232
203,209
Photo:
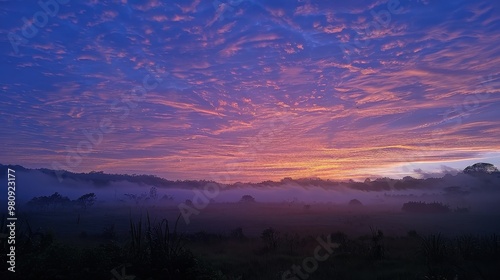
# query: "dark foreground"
140,244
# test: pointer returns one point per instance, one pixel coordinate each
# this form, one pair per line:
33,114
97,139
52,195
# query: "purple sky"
250,90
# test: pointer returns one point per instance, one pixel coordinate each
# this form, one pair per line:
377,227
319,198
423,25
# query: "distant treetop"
247,198
355,202
481,168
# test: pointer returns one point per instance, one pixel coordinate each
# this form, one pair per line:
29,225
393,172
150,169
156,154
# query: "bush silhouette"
423,207
247,199
355,202
86,200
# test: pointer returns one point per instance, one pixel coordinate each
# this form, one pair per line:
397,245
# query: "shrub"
158,248
355,202
434,248
247,199
377,250
86,200
423,207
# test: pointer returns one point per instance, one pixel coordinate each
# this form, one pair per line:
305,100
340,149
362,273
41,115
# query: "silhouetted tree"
355,202
480,168
247,198
377,249
54,200
39,202
153,193
86,200
422,207
57,199
136,198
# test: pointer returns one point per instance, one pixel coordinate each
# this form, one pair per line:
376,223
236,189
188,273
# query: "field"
256,241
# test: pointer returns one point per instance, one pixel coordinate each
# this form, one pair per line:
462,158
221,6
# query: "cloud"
444,170
421,88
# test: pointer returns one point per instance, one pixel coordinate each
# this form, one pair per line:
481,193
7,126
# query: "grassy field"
257,241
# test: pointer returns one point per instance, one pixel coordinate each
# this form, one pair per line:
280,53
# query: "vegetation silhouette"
423,207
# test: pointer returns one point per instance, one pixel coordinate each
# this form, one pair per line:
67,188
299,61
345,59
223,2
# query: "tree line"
57,200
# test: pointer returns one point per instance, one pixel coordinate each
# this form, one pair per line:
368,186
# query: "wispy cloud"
411,90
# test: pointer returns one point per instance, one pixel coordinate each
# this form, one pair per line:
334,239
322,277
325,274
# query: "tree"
136,198
247,199
54,200
58,200
40,201
355,202
153,193
481,168
86,200
423,207
377,249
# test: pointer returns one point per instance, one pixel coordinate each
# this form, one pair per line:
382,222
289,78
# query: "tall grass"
164,244
439,259
377,250
490,247
158,247
466,246
136,238
434,248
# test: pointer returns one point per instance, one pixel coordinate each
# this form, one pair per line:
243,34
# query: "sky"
237,90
